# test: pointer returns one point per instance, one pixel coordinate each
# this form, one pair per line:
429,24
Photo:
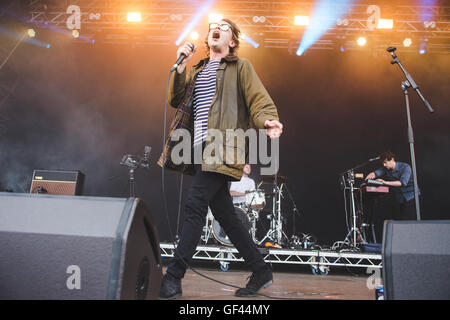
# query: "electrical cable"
167,211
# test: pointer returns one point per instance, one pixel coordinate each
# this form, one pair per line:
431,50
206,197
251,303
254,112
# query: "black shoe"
170,287
258,280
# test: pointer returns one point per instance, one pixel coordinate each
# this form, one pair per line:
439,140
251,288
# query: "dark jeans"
209,188
406,211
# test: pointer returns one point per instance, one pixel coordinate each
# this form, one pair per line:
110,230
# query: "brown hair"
236,33
387,155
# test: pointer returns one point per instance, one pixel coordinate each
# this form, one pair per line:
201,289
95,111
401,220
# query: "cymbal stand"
275,232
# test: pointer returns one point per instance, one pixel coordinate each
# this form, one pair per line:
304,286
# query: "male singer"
220,92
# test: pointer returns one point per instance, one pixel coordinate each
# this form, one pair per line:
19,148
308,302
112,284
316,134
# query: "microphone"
147,150
373,159
391,49
182,57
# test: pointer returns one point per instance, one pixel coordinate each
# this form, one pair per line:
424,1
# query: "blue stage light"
200,13
250,40
325,15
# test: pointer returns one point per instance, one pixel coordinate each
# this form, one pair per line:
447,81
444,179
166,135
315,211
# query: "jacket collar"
229,58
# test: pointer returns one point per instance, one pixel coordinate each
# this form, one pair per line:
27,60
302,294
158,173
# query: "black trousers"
406,210
209,188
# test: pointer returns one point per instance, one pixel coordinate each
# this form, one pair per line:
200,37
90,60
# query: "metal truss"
268,22
318,259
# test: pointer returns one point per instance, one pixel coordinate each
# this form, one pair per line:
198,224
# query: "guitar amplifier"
68,183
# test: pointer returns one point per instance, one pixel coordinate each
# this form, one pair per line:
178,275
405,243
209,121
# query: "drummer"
238,188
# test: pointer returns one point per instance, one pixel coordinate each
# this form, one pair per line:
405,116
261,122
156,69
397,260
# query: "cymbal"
271,179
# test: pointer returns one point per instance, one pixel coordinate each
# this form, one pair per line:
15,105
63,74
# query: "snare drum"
255,199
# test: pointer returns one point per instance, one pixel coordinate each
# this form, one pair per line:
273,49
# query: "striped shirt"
205,88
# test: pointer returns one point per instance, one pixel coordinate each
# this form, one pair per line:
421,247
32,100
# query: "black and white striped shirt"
205,88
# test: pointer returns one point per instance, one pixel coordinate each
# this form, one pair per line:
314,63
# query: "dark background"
81,107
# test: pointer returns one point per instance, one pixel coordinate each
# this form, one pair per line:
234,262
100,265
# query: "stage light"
31,33
194,36
422,49
260,19
134,17
206,6
342,22
215,17
75,33
361,41
301,20
323,17
407,42
385,24
252,42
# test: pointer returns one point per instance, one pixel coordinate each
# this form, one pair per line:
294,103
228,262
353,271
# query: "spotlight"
215,17
342,22
134,17
422,49
252,42
429,24
31,33
301,20
361,41
257,19
385,24
75,33
194,36
407,42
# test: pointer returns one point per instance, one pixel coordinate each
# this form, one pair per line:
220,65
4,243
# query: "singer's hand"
274,128
188,50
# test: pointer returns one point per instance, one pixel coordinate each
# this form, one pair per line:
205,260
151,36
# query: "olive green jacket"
240,97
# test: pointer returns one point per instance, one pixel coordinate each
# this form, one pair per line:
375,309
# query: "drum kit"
250,212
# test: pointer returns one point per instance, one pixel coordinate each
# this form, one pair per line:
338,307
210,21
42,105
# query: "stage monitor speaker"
69,183
416,260
66,247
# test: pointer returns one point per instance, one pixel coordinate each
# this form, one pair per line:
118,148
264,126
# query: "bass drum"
220,235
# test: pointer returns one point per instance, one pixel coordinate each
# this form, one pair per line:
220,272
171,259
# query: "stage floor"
286,285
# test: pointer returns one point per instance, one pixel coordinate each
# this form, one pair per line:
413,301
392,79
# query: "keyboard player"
398,175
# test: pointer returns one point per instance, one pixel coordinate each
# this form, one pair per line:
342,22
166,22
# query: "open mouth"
216,34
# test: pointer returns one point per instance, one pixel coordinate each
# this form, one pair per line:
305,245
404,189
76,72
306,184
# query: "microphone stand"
348,177
405,85
133,163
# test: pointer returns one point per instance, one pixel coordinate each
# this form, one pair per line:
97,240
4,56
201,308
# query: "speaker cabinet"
69,183
416,260
66,247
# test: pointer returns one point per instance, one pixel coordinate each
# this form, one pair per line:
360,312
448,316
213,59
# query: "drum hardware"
251,210
255,199
213,229
275,232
